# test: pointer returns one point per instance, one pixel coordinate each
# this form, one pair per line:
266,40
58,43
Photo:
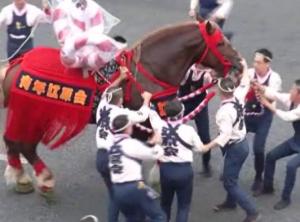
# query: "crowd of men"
246,108
174,144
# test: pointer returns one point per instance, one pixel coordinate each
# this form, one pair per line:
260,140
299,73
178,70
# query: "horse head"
169,52
165,56
218,52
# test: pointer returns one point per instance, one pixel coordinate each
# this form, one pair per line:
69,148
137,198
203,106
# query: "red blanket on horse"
58,100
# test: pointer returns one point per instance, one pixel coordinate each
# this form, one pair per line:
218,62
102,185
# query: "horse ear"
200,18
209,28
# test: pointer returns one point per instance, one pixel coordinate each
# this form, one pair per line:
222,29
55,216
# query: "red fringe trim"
32,118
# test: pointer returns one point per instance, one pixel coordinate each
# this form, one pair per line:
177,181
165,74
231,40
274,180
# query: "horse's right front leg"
44,177
14,172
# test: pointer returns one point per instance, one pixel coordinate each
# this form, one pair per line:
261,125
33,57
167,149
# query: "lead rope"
21,46
186,118
28,37
192,95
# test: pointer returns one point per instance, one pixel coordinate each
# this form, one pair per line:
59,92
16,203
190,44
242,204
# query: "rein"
126,59
186,118
211,42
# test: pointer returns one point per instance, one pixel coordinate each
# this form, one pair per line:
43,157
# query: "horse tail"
3,70
91,218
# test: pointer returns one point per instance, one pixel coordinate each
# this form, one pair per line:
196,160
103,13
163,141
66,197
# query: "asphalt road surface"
270,23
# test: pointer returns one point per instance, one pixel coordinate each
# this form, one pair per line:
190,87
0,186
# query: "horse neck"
169,54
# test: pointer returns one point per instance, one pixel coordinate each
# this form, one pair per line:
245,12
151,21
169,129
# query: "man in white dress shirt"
126,154
232,140
176,172
109,107
258,119
19,18
289,147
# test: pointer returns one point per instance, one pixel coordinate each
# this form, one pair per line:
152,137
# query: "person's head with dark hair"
297,83
226,87
121,125
114,95
295,92
174,109
262,61
267,54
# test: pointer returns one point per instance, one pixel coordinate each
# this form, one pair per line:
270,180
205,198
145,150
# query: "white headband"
109,95
122,128
179,115
266,57
230,90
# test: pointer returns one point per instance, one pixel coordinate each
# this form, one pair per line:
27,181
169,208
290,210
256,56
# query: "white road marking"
3,158
94,218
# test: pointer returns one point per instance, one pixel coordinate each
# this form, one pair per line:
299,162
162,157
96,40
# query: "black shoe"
257,187
224,207
264,191
252,218
282,204
221,177
206,172
268,190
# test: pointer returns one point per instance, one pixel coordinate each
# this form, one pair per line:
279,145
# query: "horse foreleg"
14,172
44,177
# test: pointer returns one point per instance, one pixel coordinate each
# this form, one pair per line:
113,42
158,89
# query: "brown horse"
167,54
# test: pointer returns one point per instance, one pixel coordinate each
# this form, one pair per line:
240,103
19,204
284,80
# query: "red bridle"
212,42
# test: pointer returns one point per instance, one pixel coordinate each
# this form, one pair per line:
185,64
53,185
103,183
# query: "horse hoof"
49,196
24,188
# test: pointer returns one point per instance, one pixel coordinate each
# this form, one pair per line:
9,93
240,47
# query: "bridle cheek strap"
212,42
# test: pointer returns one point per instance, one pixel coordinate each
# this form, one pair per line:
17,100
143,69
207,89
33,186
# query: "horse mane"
163,31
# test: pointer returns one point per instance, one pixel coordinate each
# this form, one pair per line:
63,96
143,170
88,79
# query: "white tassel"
14,176
11,174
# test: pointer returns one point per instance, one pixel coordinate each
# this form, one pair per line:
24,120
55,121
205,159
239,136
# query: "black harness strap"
240,113
170,134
